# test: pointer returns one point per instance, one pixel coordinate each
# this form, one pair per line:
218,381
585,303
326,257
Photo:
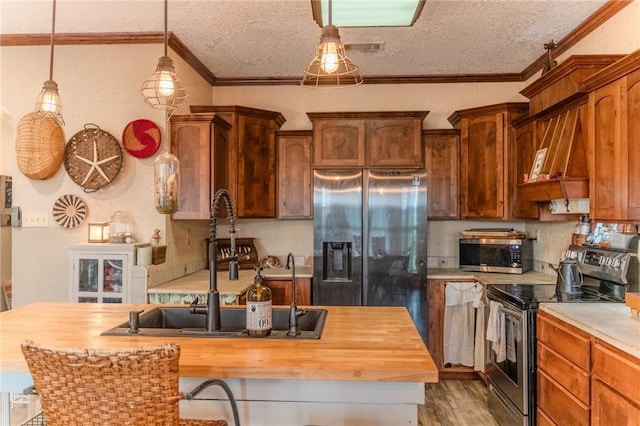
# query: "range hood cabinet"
565,140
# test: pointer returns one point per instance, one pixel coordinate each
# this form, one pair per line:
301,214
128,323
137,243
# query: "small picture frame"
538,164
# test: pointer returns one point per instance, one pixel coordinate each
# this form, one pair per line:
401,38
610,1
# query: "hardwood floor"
455,403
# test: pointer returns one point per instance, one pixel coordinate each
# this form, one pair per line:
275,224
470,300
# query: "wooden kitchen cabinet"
615,378
295,180
201,143
441,152
485,143
521,155
252,158
435,333
368,139
614,141
281,291
564,363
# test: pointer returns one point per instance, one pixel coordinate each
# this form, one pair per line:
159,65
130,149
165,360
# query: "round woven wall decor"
92,158
141,138
39,147
69,211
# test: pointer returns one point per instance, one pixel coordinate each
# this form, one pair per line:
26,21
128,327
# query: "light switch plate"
35,220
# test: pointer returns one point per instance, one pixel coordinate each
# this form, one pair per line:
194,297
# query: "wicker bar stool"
137,386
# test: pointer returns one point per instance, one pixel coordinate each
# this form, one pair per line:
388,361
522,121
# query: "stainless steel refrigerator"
370,240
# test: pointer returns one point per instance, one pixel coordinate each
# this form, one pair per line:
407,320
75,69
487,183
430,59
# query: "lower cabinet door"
609,408
558,404
543,419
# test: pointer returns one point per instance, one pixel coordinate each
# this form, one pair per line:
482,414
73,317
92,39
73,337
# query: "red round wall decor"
141,138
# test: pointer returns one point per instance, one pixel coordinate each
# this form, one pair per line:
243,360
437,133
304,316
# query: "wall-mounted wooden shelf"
552,189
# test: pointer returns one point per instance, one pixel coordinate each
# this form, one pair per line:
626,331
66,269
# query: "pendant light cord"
53,30
330,12
165,26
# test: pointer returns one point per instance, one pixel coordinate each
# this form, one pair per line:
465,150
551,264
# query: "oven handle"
507,310
517,314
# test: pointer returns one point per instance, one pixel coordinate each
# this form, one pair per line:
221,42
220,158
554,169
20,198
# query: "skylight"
370,13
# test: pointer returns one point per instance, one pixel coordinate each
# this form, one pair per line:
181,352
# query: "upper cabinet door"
631,130
482,180
614,138
201,142
395,143
338,143
295,196
441,162
485,140
386,139
256,167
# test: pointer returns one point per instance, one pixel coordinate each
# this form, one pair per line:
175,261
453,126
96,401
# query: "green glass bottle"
259,310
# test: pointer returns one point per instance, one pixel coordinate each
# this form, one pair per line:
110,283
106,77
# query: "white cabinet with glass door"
101,273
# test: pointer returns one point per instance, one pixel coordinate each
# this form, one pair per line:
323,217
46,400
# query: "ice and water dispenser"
336,260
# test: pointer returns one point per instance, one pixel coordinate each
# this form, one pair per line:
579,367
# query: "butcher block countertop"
371,344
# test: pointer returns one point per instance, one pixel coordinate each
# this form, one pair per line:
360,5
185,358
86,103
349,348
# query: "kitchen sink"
178,321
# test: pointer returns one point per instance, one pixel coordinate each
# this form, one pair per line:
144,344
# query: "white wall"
98,84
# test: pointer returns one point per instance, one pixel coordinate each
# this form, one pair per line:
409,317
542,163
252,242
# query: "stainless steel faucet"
294,312
212,308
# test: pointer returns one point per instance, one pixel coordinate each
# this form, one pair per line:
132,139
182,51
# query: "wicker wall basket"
93,158
39,147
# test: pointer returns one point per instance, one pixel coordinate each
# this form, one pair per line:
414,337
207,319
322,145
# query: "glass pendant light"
166,183
164,90
331,67
48,102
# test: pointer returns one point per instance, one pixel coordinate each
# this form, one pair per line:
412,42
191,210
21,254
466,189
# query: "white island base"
296,402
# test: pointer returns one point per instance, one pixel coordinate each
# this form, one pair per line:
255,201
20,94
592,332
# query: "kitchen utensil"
569,281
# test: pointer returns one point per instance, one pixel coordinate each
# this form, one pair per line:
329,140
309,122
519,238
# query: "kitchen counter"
487,278
370,363
185,289
610,322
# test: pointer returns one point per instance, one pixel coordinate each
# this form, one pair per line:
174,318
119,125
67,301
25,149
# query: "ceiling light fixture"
331,67
48,102
164,90
358,13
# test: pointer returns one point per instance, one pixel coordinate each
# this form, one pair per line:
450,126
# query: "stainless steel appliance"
495,250
511,394
370,240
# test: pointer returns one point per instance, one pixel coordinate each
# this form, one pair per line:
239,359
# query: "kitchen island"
369,367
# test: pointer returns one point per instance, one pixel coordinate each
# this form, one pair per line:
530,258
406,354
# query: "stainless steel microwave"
505,255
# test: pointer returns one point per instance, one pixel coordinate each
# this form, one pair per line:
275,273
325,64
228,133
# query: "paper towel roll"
144,256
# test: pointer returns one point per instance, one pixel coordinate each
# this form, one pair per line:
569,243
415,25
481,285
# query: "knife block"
245,249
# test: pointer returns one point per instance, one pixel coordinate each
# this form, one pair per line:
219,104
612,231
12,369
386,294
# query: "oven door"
511,375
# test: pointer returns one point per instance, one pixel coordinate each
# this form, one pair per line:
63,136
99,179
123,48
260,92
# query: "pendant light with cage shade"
164,90
331,67
48,102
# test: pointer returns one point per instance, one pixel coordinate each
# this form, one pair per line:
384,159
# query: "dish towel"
460,322
496,330
480,339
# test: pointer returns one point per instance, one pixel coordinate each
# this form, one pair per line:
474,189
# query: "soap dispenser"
259,309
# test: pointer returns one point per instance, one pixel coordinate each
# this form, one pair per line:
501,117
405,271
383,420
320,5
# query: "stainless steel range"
607,275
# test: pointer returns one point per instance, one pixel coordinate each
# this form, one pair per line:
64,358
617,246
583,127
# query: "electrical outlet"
538,236
35,220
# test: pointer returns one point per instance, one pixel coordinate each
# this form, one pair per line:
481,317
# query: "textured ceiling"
276,38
